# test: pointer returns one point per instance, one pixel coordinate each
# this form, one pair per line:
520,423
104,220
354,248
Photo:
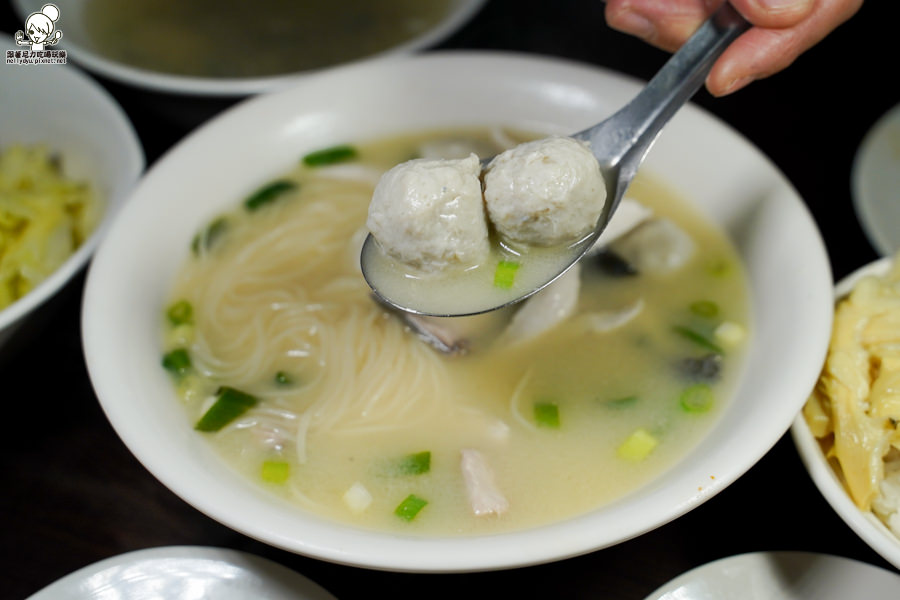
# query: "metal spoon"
619,143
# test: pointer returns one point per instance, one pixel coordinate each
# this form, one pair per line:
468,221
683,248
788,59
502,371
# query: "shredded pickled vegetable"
855,407
44,217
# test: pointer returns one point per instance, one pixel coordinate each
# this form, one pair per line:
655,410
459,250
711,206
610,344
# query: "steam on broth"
233,38
311,389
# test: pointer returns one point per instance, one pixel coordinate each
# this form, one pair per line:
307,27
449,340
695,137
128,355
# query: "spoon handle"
625,137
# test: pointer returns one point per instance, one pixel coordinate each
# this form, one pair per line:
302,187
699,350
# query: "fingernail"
736,85
635,24
783,6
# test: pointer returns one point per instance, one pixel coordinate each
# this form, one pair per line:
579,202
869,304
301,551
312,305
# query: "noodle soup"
498,422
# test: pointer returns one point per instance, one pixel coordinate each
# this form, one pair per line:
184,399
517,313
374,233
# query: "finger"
662,23
762,52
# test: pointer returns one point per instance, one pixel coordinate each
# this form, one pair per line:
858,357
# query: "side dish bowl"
59,107
700,157
865,524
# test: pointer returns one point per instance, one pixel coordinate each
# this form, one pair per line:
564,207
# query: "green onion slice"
180,313
410,507
414,464
719,268
177,362
268,194
698,338
505,275
697,398
705,308
207,239
282,378
638,445
274,471
229,405
546,414
330,156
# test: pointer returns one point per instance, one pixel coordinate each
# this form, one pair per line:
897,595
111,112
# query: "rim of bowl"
72,77
225,87
344,544
865,524
877,226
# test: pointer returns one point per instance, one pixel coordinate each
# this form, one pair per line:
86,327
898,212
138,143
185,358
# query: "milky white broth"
280,292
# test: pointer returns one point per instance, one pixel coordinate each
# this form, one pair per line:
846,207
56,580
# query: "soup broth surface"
347,394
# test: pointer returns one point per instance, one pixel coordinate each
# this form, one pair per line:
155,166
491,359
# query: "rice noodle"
256,315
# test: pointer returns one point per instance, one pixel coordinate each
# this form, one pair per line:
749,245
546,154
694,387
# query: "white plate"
781,576
184,572
875,183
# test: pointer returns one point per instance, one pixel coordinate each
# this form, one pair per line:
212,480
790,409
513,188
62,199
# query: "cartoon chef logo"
40,32
40,28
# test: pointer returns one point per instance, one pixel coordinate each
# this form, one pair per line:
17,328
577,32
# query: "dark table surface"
74,494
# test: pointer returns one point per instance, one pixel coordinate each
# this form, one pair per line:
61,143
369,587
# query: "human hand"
782,30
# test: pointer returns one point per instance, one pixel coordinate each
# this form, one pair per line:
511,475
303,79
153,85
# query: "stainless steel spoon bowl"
619,143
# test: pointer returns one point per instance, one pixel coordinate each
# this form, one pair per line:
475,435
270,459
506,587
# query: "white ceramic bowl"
708,162
874,181
76,40
60,107
865,524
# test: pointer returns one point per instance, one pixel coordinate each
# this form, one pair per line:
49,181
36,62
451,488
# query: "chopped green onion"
330,156
177,362
282,378
730,333
505,274
231,404
620,402
410,507
414,464
193,387
719,268
206,239
697,398
705,308
275,471
180,313
638,445
268,193
546,414
697,338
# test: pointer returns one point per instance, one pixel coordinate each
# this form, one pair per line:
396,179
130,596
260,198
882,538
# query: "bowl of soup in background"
730,182
58,108
191,59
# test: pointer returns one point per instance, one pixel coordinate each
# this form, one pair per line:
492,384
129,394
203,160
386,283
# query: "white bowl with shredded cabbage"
68,158
848,434
729,180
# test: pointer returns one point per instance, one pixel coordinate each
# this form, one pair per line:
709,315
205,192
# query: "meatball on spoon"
619,144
